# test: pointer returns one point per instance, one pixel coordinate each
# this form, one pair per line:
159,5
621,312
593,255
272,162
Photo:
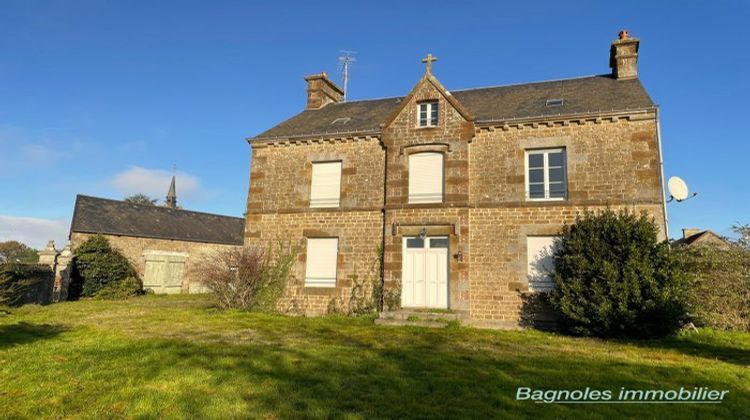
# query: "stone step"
405,323
406,315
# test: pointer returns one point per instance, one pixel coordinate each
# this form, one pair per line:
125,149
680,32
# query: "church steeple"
171,201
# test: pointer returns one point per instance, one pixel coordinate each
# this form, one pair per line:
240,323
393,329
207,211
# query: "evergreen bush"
97,266
613,278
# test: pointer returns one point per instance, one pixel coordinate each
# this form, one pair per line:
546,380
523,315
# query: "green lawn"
178,357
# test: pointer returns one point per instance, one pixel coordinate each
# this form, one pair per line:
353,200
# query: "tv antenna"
345,61
678,190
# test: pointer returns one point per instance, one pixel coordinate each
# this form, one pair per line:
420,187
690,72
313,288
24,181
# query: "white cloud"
34,232
154,183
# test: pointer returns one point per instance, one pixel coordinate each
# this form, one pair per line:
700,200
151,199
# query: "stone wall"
134,248
359,232
280,176
59,262
609,162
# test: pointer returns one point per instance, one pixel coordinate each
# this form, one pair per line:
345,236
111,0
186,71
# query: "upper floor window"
325,189
426,177
428,114
545,175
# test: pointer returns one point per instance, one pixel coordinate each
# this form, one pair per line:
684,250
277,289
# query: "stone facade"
612,160
134,248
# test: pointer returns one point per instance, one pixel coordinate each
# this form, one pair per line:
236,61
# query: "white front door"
424,275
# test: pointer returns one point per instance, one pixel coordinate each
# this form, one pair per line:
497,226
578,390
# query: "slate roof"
105,216
582,95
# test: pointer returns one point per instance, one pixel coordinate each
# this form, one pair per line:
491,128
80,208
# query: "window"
545,175
438,242
539,252
325,190
428,114
426,178
322,254
415,243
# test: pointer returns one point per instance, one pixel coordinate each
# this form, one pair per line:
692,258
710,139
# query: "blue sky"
104,97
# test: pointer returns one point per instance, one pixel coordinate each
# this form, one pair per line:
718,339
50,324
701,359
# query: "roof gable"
428,78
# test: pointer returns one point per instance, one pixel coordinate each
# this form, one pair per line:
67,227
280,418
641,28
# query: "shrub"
247,278
721,286
98,266
128,287
614,279
25,283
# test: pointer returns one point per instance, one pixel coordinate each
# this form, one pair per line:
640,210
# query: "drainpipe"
661,174
383,214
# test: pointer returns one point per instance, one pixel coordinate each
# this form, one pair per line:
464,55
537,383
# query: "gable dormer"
430,127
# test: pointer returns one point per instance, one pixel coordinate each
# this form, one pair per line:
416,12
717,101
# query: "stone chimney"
688,232
623,57
321,91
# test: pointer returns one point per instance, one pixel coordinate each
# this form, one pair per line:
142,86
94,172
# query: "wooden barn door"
164,271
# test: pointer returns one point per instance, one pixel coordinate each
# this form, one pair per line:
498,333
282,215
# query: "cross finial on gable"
429,60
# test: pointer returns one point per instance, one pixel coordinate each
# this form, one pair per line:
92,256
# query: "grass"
174,357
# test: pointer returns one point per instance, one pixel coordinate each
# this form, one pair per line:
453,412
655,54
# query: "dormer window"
428,114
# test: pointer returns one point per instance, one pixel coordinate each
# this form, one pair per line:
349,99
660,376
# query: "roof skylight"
340,121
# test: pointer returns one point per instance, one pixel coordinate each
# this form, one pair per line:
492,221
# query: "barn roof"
113,217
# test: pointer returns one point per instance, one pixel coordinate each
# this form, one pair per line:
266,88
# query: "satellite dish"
678,190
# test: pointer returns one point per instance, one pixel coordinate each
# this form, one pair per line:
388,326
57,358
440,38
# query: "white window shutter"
539,254
426,178
325,190
322,254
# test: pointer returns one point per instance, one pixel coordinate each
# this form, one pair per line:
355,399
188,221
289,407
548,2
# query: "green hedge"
720,294
25,283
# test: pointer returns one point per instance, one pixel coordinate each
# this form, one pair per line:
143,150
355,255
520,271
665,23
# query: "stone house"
161,242
463,190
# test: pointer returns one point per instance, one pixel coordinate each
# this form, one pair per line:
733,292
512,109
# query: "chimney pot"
688,232
321,91
623,56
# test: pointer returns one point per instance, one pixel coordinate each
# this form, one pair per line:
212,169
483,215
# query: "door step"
417,318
